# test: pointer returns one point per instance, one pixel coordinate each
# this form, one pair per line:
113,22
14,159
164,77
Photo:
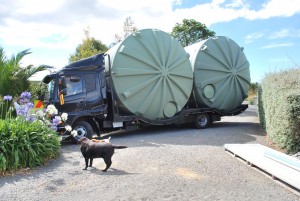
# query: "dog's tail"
119,146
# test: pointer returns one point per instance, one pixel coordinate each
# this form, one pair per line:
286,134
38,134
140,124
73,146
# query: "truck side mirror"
62,83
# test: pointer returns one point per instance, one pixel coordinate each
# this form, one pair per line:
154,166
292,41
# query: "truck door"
75,97
94,96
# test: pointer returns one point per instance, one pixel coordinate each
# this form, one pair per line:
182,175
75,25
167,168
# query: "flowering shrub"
30,138
51,113
48,116
25,140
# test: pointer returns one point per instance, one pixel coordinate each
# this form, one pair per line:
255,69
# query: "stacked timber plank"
278,165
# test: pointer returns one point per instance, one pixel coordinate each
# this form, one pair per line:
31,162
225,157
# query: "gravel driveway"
163,163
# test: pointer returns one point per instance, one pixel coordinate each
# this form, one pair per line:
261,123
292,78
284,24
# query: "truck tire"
203,120
84,129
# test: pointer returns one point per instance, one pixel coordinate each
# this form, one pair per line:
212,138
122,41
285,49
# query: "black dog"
91,150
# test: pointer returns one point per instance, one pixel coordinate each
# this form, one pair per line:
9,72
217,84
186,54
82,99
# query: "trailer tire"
203,120
84,129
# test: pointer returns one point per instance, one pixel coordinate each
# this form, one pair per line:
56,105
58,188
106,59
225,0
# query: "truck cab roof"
90,63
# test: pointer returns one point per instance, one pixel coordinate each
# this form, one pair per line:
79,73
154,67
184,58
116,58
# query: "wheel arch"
89,119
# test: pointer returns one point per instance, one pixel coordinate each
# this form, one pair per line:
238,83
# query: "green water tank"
221,73
151,74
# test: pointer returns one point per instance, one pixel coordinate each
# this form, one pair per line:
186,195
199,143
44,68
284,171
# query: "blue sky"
269,30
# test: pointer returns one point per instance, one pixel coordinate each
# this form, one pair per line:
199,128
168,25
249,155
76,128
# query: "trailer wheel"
84,129
203,120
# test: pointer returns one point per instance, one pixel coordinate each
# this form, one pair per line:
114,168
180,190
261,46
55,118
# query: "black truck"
92,106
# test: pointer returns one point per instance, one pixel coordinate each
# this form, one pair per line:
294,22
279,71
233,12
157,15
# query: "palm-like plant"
14,78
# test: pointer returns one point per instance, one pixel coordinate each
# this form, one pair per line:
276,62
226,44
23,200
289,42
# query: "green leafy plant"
279,108
14,77
190,31
252,93
28,140
26,144
261,111
89,47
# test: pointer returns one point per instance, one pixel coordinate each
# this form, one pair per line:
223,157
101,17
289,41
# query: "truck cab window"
74,85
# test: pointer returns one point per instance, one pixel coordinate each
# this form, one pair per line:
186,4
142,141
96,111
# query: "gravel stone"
160,163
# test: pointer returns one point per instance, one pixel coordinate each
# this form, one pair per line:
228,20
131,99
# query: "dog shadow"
110,171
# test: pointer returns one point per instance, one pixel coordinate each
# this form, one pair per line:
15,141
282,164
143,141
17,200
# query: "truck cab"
82,86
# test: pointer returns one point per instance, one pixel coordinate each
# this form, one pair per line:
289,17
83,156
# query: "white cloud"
34,20
275,8
33,7
34,35
280,34
277,45
59,24
27,25
284,33
220,11
251,37
237,4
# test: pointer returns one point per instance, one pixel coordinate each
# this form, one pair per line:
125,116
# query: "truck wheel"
203,120
84,129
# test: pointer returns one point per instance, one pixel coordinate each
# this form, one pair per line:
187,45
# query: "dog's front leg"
91,162
86,163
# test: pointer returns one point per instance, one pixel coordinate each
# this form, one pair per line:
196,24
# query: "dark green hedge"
261,112
279,108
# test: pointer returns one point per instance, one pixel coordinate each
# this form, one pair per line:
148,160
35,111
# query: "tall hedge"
261,111
279,108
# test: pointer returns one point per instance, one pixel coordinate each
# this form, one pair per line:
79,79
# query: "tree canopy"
89,47
190,31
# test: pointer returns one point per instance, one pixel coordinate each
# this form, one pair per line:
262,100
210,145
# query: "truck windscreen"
50,89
